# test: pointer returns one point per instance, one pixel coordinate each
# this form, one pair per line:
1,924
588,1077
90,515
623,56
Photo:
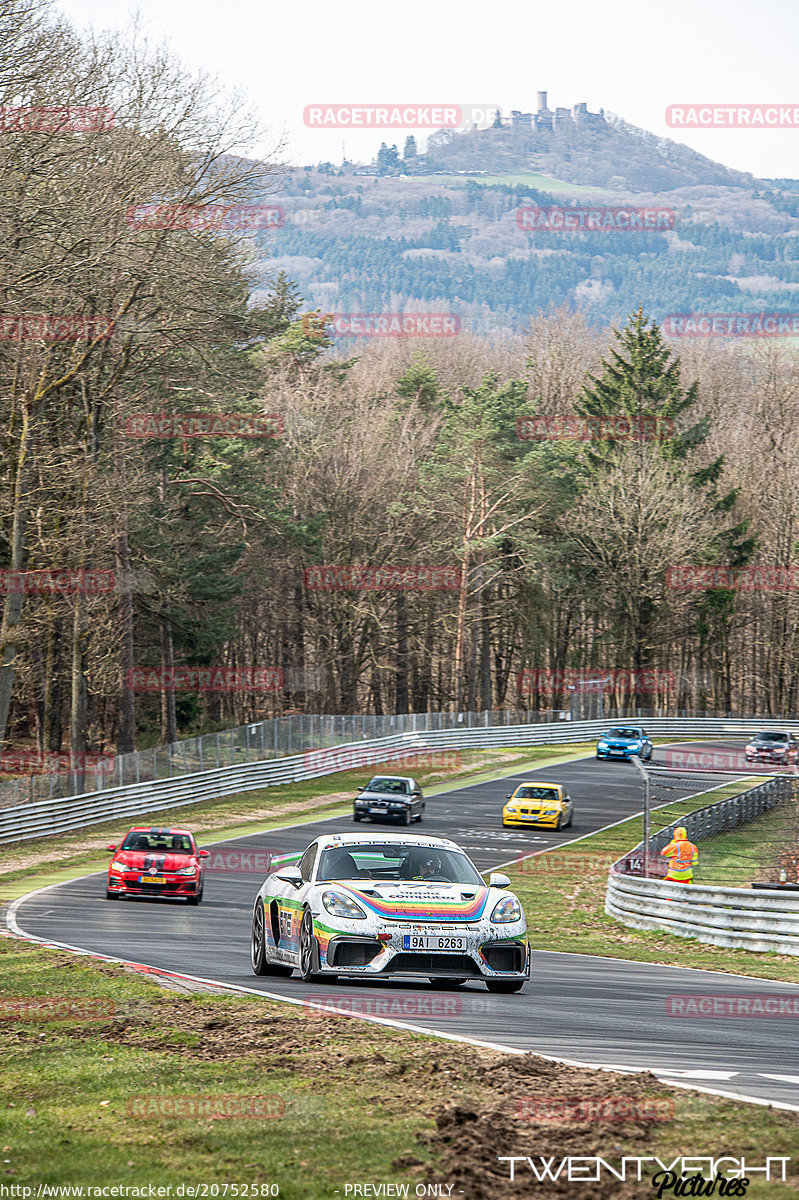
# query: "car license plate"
151,879
378,808
415,941
617,752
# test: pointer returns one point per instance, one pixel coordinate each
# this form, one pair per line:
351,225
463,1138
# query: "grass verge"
563,893
134,1097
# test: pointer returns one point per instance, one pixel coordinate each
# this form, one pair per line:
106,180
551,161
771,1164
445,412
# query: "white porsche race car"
397,905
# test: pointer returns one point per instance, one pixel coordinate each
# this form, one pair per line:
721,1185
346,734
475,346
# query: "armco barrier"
734,917
40,818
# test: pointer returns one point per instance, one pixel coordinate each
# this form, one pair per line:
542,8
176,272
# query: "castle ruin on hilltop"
547,119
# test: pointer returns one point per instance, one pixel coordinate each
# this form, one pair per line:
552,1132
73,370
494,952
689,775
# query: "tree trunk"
401,671
12,610
169,724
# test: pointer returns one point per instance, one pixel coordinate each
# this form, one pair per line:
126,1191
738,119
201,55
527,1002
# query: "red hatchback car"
157,862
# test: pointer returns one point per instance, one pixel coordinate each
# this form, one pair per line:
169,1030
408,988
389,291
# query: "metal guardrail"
734,917
282,737
276,737
39,818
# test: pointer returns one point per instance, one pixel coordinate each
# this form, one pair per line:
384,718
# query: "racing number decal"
285,918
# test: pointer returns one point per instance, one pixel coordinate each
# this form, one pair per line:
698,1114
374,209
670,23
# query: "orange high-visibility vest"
684,857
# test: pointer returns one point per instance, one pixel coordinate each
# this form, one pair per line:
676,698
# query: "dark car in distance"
389,797
773,745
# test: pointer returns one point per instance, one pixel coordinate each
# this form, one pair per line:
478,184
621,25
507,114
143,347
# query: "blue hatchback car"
623,741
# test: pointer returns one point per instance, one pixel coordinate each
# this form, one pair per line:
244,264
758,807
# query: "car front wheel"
307,948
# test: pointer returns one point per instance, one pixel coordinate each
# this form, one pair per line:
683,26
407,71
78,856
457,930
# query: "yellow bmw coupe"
536,803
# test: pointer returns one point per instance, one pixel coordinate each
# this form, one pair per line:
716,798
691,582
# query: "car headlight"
342,906
511,809
601,745
633,745
118,866
507,910
186,871
550,812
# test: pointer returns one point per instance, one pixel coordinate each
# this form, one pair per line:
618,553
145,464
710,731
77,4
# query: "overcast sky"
633,60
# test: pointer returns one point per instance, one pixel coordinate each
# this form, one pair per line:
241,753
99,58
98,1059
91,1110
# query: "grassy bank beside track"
120,1091
42,861
563,893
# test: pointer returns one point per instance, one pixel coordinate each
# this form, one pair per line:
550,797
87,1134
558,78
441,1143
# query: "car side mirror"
203,853
359,790
112,846
497,879
291,875
509,796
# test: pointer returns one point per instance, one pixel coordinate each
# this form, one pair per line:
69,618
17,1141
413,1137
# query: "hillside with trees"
393,454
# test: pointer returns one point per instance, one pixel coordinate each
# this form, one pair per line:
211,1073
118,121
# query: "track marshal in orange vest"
683,857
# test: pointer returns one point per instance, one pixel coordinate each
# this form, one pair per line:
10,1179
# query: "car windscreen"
389,786
623,733
536,793
397,863
172,843
772,737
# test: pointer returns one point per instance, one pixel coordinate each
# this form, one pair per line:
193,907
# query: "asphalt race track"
598,1011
